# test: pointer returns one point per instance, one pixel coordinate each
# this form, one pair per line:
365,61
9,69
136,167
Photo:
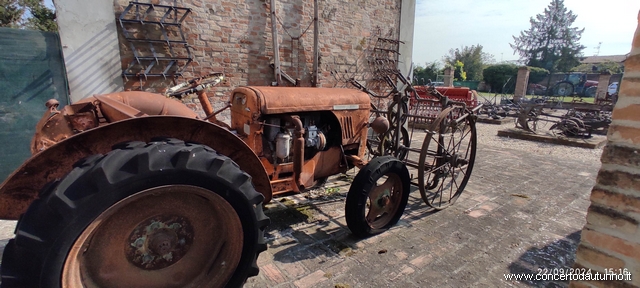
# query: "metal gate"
31,72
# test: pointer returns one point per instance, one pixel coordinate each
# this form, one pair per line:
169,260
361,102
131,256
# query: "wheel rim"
387,145
373,138
532,119
383,201
393,113
446,160
373,143
168,236
564,89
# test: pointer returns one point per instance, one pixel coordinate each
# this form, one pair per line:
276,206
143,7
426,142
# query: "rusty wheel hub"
384,200
149,240
160,241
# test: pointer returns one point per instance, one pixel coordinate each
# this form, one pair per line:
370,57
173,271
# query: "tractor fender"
23,185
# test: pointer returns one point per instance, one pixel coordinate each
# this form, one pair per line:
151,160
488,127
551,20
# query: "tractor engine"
278,136
301,135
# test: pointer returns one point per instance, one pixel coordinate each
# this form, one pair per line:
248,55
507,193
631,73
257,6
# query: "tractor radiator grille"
347,127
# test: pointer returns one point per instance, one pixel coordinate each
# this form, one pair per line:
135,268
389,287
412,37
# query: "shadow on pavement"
557,255
314,230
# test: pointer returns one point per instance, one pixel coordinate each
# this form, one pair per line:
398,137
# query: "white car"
613,88
612,92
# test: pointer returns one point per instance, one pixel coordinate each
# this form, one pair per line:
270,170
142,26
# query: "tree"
537,74
43,18
422,74
610,66
551,42
458,71
501,76
38,16
473,58
10,13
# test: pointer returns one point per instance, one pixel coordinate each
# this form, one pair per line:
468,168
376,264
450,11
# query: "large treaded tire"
563,88
364,182
48,229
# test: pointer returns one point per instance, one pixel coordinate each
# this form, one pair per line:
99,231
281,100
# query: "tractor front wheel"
377,197
159,214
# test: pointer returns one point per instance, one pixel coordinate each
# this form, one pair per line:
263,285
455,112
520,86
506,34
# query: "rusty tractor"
133,189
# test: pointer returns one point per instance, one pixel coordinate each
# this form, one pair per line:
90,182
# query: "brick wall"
611,237
234,37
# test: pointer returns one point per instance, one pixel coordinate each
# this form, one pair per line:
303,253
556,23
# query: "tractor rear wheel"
563,89
591,91
159,214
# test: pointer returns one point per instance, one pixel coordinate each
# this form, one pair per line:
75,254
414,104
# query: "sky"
441,25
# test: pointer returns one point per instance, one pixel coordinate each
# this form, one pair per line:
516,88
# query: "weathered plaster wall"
90,46
407,22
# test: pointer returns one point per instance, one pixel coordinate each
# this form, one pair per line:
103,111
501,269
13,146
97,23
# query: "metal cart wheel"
447,157
388,143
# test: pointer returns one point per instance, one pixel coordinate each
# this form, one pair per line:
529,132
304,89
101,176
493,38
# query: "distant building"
594,60
601,63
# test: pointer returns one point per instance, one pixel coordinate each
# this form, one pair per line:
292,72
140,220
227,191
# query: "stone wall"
611,237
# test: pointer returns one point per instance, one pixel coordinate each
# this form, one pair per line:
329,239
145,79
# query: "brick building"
611,238
234,37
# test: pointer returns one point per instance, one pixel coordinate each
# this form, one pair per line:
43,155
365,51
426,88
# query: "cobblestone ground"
520,211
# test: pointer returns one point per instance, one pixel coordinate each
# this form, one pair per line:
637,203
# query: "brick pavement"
520,212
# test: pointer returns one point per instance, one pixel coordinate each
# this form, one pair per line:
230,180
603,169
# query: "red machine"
427,106
463,94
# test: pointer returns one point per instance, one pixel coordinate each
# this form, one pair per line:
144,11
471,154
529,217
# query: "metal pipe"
276,49
205,103
298,147
148,103
316,54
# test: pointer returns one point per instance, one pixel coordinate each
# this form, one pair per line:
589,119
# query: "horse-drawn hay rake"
442,165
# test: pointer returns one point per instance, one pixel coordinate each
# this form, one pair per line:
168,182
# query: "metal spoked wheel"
571,126
393,113
388,143
158,227
447,157
373,138
530,118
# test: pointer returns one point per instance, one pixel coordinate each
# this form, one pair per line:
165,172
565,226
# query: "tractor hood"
277,100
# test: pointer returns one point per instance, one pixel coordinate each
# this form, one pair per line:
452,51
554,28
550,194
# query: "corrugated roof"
601,59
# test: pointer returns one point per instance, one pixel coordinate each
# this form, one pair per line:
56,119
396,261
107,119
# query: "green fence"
473,85
31,72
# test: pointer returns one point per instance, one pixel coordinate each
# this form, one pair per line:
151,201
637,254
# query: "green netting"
473,85
31,72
